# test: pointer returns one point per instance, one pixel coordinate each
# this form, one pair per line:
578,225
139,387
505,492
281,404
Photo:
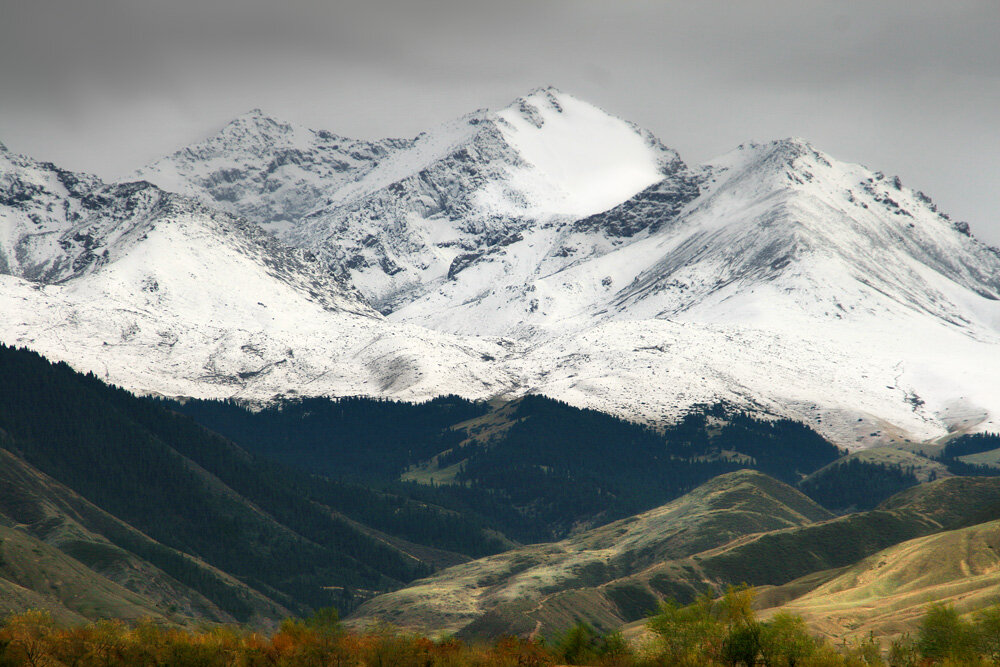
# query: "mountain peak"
788,149
255,126
586,159
545,90
796,143
542,94
539,103
255,116
789,160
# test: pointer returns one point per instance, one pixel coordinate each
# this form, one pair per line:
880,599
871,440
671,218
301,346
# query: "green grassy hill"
888,592
813,552
505,592
738,528
33,573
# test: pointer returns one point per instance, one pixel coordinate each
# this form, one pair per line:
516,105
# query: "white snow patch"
580,159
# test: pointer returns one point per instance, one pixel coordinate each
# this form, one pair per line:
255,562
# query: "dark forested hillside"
534,468
973,454
330,501
856,484
302,540
972,443
360,438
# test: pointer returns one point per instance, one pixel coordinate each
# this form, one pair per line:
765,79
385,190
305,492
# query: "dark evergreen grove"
966,445
534,468
352,437
857,485
861,485
974,443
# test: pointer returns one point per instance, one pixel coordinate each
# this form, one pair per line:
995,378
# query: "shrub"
943,635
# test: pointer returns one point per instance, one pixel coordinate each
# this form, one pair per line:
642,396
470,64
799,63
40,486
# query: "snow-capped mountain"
792,282
157,293
267,170
766,235
545,247
432,206
840,240
60,225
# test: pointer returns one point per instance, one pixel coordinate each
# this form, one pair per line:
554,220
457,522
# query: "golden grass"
887,593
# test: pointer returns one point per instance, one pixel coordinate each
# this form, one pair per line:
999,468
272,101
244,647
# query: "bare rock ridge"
267,170
61,225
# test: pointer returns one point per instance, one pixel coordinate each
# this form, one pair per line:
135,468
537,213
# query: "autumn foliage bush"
32,638
710,632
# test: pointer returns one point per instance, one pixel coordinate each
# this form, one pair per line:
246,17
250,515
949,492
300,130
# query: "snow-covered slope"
770,235
267,170
806,287
182,300
838,240
57,224
794,283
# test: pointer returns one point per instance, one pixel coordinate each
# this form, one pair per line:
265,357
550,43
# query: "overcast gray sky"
910,87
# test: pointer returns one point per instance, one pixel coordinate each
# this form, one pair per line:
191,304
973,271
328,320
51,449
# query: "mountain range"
547,247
